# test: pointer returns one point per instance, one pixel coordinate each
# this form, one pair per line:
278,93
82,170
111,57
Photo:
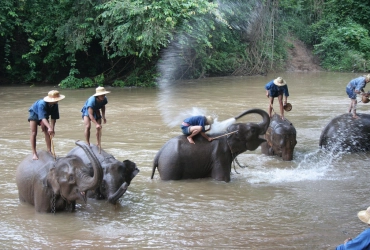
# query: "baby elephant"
117,175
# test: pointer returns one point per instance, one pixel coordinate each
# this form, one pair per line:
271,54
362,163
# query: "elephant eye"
71,178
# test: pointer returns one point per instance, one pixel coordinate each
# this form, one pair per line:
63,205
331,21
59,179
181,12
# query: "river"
308,203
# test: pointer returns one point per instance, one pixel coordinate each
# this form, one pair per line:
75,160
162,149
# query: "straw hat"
101,91
209,120
367,78
279,81
364,215
53,96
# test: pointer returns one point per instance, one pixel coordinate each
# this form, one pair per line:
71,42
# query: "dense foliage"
80,43
338,30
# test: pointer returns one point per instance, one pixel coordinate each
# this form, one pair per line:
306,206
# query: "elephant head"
117,175
68,179
50,185
281,138
247,137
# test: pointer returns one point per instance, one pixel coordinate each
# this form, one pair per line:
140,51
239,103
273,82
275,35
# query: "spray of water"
241,15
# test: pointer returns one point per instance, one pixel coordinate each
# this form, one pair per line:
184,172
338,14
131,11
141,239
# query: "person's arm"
206,136
49,126
362,241
286,94
103,114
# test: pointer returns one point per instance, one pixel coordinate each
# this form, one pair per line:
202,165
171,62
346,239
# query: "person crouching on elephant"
94,111
354,87
39,114
194,125
277,88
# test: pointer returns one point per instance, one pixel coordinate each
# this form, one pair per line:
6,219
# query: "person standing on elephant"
277,88
354,87
39,114
362,241
194,125
94,111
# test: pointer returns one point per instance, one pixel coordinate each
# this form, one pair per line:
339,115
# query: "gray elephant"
54,184
281,138
117,175
344,133
179,159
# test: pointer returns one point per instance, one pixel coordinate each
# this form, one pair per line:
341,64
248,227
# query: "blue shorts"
185,130
275,93
34,117
351,94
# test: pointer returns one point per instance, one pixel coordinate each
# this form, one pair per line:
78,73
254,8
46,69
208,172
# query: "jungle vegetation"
84,43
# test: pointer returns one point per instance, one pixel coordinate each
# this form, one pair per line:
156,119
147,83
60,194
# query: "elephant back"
343,133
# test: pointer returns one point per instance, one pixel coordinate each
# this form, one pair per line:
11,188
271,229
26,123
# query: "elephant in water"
178,159
344,133
51,184
281,138
117,175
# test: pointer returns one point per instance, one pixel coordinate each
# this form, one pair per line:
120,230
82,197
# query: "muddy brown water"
308,203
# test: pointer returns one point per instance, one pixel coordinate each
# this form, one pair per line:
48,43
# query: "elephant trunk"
264,125
113,198
118,194
90,183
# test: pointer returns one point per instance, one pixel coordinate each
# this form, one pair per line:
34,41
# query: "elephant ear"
52,179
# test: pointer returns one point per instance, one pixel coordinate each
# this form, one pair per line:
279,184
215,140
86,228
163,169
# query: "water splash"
220,127
312,166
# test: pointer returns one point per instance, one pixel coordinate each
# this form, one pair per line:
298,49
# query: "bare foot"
190,140
355,117
35,157
282,118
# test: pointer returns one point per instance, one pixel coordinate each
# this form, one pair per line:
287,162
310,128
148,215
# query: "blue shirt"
43,110
361,242
275,90
94,104
196,121
357,83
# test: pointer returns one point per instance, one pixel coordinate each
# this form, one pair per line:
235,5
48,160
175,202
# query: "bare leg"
98,133
270,105
280,98
87,124
47,137
354,105
350,107
33,126
194,130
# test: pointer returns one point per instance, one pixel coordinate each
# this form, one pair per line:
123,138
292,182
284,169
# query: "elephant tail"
155,165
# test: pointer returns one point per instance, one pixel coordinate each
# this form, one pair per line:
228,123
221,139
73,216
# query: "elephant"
178,159
281,138
117,175
54,184
344,133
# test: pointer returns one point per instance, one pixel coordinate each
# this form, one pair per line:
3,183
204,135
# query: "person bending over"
196,124
94,111
39,114
277,88
354,87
